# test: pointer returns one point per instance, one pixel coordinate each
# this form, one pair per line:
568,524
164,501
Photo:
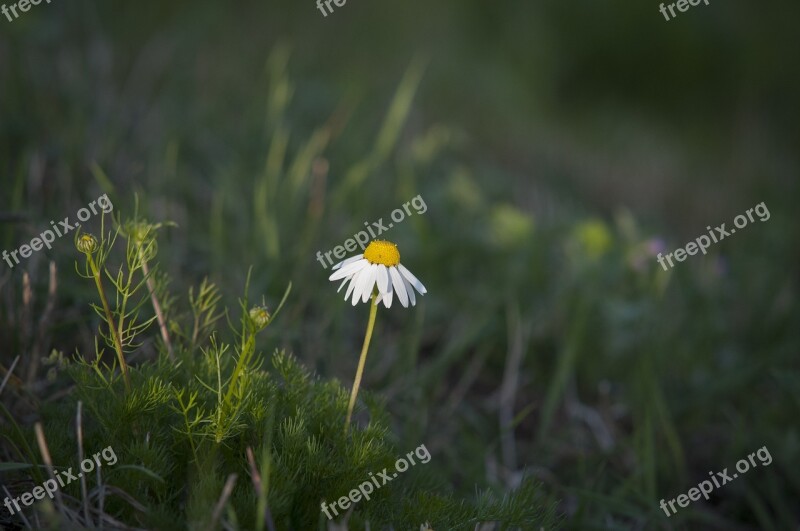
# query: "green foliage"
187,424
633,382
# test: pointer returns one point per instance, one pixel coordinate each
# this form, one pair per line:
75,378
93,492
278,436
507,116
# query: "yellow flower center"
382,252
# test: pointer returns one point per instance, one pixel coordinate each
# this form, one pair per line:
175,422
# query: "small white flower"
379,265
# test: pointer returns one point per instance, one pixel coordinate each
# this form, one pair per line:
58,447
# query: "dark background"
555,145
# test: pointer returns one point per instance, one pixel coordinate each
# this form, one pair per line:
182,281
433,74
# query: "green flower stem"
225,407
373,310
110,318
248,348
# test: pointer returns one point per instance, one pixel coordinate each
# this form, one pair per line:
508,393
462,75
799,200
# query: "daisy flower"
379,266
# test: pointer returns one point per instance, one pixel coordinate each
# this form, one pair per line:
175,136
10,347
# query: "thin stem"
223,404
373,310
110,318
241,365
162,322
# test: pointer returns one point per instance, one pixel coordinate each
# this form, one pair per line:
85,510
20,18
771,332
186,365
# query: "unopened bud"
139,232
86,244
259,316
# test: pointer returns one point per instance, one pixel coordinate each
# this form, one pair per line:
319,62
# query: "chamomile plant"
375,275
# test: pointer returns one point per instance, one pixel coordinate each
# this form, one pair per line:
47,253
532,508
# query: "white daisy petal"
349,269
387,297
399,287
378,298
359,282
347,261
412,298
383,279
411,278
369,283
352,286
342,284
362,285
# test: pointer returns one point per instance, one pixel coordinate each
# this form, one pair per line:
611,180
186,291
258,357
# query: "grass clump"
210,432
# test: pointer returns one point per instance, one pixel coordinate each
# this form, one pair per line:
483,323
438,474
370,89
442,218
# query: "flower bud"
259,316
139,232
86,244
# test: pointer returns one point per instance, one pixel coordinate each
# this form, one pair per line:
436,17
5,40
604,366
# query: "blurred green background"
556,145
